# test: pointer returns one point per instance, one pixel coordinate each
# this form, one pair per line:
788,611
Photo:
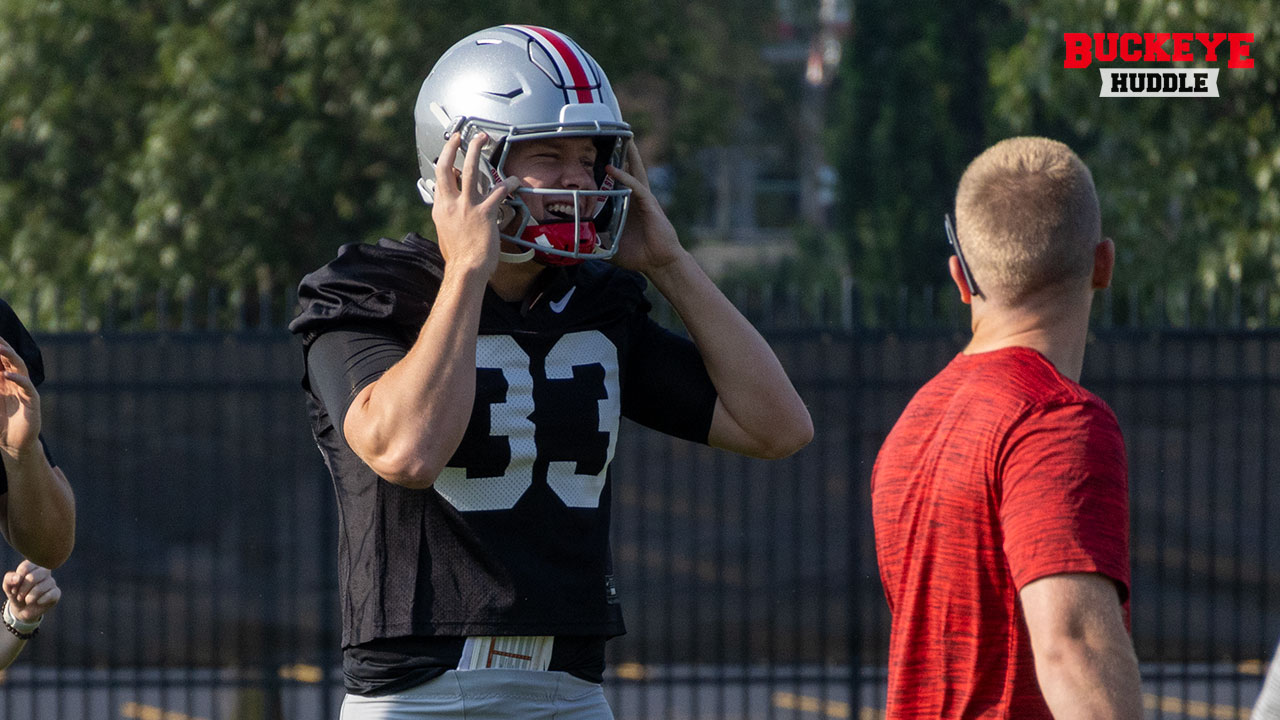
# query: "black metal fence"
203,582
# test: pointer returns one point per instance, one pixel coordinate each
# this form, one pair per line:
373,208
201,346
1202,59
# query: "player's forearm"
408,423
41,508
1090,678
10,646
768,417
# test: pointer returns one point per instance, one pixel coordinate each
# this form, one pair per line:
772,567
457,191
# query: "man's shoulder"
995,393
10,325
1043,389
1026,400
391,281
1018,378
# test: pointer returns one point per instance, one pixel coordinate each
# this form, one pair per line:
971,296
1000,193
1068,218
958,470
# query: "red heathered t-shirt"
1000,471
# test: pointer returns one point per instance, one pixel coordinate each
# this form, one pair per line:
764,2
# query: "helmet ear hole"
506,214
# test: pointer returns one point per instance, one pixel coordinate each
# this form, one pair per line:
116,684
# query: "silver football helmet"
516,83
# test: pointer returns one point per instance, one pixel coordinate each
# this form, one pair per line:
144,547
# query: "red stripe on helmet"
577,69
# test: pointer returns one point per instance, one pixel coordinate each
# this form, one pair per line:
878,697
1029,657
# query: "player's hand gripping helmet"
516,83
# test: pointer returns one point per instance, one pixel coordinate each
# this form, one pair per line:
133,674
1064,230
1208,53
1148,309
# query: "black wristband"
21,635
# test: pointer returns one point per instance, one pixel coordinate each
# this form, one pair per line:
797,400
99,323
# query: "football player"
467,395
29,592
37,507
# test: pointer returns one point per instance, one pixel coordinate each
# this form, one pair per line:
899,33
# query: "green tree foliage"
1190,188
909,111
190,143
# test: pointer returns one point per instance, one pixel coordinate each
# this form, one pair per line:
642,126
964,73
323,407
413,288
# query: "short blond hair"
1027,217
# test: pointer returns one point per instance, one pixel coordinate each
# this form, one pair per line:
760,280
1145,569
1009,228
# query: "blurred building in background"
775,175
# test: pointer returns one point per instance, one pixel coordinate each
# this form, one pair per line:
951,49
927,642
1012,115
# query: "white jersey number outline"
510,418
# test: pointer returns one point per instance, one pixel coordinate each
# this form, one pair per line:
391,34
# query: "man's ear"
1104,262
957,277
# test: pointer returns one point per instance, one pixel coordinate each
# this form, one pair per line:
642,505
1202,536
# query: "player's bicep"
667,387
343,365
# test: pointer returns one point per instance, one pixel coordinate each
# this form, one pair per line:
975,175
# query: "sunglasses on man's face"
955,246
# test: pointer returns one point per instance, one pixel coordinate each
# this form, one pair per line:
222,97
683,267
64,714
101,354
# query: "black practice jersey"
513,538
15,333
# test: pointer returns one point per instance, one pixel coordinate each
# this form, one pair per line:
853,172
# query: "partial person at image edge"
37,507
29,592
1267,706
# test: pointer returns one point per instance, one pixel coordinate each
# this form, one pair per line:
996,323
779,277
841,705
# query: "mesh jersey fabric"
513,538
1000,471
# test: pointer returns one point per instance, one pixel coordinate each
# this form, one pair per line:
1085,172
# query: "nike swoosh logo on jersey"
558,305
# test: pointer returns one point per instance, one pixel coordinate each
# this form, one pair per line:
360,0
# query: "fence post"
212,302
847,305
33,309
290,302
1237,305
83,318
109,311
188,309
766,305
930,311
237,303
1184,306
265,311
162,309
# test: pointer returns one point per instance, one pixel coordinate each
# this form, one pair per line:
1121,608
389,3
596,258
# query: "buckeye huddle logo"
1084,49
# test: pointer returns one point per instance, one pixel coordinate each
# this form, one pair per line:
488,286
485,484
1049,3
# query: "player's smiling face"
554,163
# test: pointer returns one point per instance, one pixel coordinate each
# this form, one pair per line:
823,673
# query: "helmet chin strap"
509,257
525,254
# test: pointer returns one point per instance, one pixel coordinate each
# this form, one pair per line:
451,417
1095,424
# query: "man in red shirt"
1000,497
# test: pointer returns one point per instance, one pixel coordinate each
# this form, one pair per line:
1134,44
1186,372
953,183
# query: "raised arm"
408,423
1084,659
758,411
38,513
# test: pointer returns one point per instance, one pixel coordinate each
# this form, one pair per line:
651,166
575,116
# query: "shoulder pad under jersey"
391,282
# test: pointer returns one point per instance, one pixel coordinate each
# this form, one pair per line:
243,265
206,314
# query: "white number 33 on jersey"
485,486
